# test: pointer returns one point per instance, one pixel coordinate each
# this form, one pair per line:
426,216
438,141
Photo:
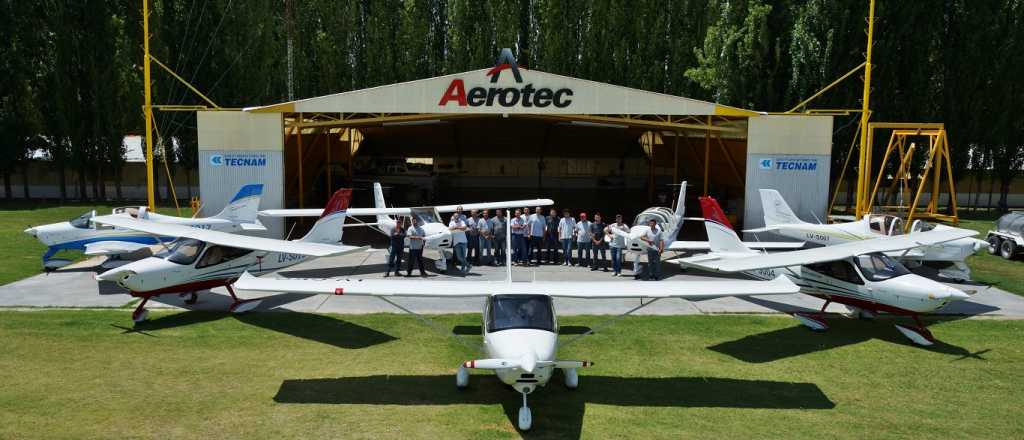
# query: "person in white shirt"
653,239
473,238
583,243
538,224
618,244
566,228
484,226
518,234
458,228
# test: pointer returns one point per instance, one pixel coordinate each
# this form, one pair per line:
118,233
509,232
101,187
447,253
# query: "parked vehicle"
1008,238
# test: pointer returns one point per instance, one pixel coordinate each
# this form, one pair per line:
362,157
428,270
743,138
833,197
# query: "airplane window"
425,215
507,312
841,270
185,250
876,225
219,254
880,267
82,221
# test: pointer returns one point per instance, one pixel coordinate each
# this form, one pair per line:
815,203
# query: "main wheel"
192,298
993,245
462,378
572,378
1008,249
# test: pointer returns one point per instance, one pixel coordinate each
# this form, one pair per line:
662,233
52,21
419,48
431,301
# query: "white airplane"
203,259
780,219
82,233
520,328
670,222
857,274
435,228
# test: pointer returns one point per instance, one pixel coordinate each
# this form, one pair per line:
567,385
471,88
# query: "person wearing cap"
566,229
583,243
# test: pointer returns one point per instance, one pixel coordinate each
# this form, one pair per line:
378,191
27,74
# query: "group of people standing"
535,239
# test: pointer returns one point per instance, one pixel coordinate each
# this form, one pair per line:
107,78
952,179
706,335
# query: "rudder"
776,210
244,206
328,229
721,237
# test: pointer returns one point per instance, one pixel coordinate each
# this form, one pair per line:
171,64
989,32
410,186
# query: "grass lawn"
20,254
993,269
79,374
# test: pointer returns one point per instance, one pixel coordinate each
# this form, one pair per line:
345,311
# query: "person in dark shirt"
600,247
551,237
396,248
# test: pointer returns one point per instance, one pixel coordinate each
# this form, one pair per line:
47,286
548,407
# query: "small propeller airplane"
857,274
520,328
670,222
203,259
437,237
83,233
780,219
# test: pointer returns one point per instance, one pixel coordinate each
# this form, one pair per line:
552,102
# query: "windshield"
185,250
426,215
82,221
505,312
879,267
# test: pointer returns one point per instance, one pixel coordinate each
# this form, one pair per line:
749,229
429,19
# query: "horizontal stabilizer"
113,247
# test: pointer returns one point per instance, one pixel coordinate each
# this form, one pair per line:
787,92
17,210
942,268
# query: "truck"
1007,240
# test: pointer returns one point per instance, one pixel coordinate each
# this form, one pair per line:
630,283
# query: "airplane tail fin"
244,206
680,211
329,227
378,202
776,210
721,237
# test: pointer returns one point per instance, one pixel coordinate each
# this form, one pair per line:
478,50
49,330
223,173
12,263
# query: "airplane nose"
121,277
31,231
956,294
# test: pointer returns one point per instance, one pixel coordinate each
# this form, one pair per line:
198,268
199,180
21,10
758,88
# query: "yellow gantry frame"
864,164
938,160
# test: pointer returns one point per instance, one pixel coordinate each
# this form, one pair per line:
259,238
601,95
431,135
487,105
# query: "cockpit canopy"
426,215
661,215
83,221
886,224
873,267
507,312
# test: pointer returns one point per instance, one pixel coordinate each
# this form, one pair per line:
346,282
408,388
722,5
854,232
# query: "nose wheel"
190,298
141,314
525,416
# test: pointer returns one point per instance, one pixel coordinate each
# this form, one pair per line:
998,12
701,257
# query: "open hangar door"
584,166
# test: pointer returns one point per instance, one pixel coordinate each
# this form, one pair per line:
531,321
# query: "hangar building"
511,133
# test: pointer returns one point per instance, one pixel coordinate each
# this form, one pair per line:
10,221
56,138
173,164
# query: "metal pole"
864,171
707,156
148,106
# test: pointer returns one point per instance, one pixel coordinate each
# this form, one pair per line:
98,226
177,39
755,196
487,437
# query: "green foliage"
73,68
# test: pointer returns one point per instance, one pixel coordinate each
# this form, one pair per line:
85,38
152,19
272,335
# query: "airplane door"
838,278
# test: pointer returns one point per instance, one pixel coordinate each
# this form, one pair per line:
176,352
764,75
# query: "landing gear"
240,306
814,321
441,264
572,378
191,297
525,415
918,335
859,313
462,377
141,314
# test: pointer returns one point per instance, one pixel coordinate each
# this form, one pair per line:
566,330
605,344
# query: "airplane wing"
316,212
831,253
563,289
226,239
496,205
767,245
112,247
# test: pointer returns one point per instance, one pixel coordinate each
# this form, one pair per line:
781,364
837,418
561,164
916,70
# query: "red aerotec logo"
526,95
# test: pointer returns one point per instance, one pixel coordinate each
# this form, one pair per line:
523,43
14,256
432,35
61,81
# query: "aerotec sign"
520,95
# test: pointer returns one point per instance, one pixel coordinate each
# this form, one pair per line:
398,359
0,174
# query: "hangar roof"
517,91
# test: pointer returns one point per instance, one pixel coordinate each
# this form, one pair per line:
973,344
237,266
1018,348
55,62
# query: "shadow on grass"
318,328
557,412
799,340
